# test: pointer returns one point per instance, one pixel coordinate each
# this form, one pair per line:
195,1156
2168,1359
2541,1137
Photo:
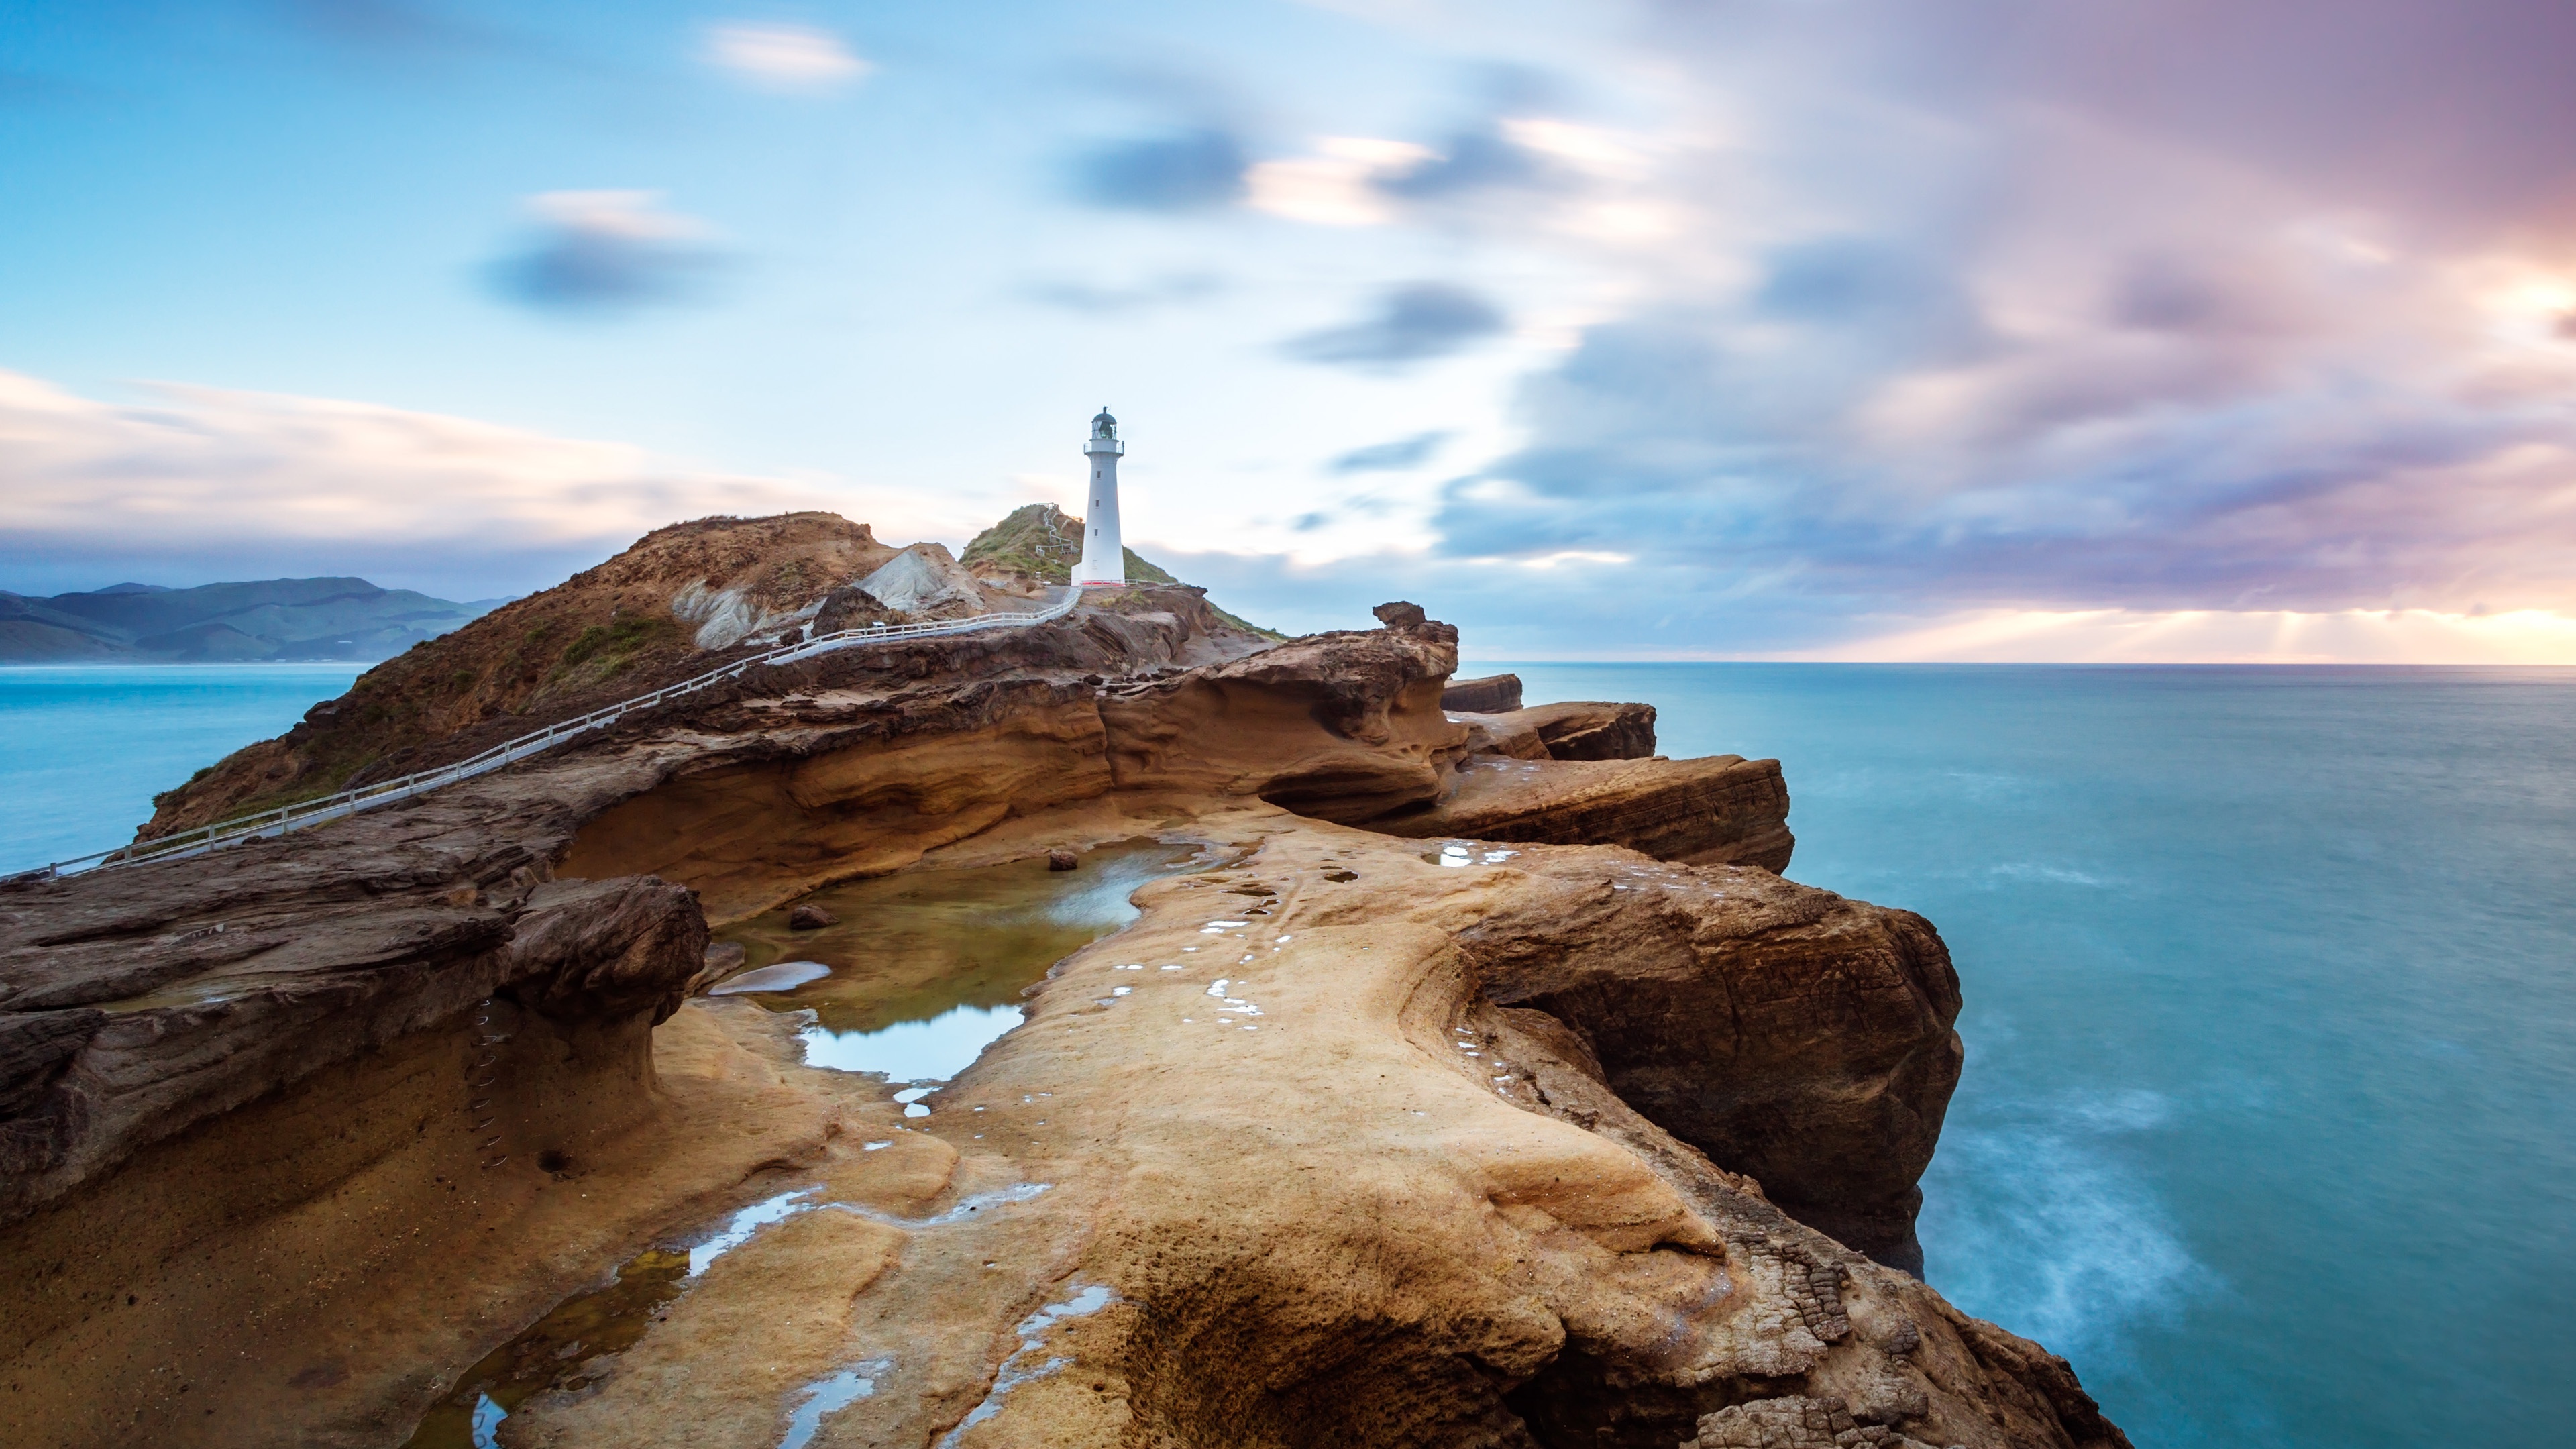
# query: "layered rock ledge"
1575,1125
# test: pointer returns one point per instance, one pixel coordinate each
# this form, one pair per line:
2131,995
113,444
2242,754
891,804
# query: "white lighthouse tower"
1104,557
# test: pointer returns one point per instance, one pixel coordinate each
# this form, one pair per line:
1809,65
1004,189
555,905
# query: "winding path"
384,792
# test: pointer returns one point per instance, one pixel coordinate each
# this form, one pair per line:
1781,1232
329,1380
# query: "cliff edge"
1358,1134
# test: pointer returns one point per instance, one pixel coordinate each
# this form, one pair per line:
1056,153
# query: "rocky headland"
1480,1081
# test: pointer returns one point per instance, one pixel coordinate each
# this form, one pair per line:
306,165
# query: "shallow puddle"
554,1352
923,972
562,1349
557,1351
926,968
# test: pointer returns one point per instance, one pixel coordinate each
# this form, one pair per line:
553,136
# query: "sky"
2130,330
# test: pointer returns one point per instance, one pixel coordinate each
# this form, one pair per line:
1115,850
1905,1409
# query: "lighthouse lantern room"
1104,556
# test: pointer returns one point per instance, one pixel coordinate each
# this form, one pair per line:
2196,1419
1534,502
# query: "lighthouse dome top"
1103,425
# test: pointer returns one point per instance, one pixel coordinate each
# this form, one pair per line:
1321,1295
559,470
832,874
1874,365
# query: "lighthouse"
1104,557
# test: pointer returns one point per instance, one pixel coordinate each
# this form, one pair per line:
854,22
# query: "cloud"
785,57
1338,185
1469,162
2454,114
603,251
1908,322
204,483
2014,311
1412,323
1165,290
2175,472
1485,151
1932,334
1184,170
1510,154
1393,457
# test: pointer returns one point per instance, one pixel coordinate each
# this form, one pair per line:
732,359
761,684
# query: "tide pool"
83,749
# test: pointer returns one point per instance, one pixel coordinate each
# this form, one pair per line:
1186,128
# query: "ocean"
2269,1115
84,748
2269,1118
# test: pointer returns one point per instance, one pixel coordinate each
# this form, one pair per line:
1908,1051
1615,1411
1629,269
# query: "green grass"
603,650
619,639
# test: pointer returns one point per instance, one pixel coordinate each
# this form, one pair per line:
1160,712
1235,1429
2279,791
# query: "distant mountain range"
274,620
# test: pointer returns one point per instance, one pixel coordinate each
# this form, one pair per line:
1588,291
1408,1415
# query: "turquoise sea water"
2269,1120
84,749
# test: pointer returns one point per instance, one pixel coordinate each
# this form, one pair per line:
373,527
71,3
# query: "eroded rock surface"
1318,1185
1788,1033
1593,730
288,1126
193,1002
873,757
1492,694
1721,810
1342,1143
1574,730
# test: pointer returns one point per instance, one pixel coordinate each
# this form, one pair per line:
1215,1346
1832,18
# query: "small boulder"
1493,694
810,918
852,607
1400,615
1594,730
925,582
723,958
1062,860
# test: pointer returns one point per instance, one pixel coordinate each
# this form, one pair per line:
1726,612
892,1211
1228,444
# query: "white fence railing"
385,792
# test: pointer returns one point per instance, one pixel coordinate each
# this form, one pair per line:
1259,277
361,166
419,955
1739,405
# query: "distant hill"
274,620
1040,543
1044,542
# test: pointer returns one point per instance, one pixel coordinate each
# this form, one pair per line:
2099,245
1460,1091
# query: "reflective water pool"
926,969
554,1352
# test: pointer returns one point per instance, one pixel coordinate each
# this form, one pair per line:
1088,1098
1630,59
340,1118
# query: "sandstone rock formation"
1593,730
1375,1205
1492,694
1574,730
1704,1014
680,601
1354,1138
281,1119
1720,810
